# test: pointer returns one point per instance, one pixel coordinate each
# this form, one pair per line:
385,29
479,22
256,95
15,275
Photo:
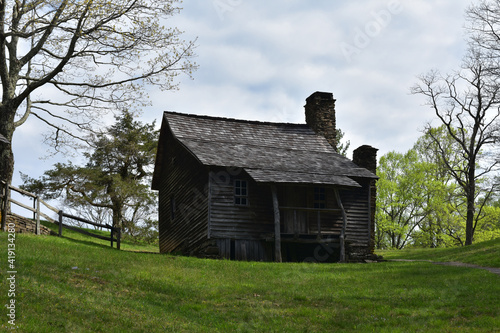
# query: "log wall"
229,221
183,200
198,214
357,205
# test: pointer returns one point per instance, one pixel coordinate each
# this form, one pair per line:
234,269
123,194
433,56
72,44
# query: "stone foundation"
25,225
356,253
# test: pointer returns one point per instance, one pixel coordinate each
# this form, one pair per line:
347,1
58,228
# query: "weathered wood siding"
183,200
230,221
243,249
303,222
357,205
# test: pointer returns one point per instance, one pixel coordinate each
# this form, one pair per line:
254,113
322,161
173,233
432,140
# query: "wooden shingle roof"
268,152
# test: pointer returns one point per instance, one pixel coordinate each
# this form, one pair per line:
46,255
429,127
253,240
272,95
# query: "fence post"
119,235
34,207
2,199
5,205
37,213
60,222
112,229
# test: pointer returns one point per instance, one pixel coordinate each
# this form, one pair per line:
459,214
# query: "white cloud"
259,60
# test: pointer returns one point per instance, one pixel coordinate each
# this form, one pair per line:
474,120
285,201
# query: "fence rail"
5,200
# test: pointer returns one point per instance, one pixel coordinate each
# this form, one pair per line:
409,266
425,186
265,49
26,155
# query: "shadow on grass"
85,242
105,246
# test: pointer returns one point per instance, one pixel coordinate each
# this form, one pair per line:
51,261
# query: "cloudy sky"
260,60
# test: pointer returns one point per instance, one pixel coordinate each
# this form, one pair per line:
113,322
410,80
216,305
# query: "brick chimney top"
320,95
320,115
366,157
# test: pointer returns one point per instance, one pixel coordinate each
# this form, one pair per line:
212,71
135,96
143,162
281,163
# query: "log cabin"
263,191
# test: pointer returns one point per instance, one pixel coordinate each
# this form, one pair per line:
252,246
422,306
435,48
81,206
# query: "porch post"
344,226
277,230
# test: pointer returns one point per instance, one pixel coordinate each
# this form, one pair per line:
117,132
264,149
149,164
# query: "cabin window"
319,197
241,192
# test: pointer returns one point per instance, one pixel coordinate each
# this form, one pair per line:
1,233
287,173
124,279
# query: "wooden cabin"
263,191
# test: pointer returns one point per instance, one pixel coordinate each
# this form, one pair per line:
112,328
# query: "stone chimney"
320,116
366,157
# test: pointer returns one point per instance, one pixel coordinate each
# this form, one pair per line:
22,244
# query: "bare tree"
467,104
89,56
483,25
484,35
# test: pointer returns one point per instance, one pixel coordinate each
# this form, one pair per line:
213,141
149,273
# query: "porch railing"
320,212
338,211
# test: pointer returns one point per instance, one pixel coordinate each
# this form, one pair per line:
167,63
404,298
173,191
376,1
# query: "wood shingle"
268,152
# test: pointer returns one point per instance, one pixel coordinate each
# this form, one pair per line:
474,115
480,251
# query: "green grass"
126,244
69,285
485,254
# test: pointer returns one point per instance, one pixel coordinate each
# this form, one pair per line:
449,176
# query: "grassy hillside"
68,285
127,244
484,254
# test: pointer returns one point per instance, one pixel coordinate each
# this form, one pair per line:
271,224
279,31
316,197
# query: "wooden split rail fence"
6,199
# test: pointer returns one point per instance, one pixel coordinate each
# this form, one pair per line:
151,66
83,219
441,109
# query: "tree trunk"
6,156
117,212
117,218
6,163
471,205
469,224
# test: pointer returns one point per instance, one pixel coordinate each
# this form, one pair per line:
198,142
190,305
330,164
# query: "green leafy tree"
489,226
66,63
342,147
415,204
443,226
470,118
420,204
467,103
401,207
116,177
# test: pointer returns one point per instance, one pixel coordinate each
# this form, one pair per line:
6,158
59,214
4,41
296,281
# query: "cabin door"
295,221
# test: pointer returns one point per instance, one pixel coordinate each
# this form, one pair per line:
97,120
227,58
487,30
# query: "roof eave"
165,129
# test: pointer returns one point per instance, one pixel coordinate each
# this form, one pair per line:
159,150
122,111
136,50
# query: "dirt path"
493,270
461,264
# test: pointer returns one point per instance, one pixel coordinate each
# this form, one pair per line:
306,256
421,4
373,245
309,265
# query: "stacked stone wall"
25,225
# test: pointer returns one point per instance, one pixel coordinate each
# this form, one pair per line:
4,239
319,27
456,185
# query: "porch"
310,225
313,217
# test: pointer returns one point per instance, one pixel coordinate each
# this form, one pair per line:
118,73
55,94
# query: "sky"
260,60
